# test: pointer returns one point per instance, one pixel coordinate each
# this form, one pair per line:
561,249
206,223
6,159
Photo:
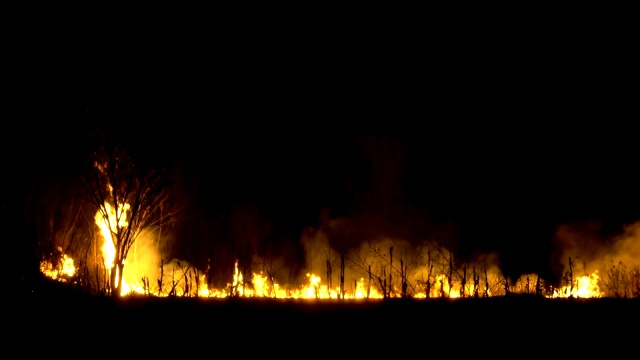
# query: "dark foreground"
247,327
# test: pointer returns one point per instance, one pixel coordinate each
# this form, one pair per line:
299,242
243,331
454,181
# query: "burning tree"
129,193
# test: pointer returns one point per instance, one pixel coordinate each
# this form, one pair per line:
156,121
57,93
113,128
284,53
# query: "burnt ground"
57,321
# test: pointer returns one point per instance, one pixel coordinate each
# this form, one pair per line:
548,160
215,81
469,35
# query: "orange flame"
62,271
195,283
586,286
110,224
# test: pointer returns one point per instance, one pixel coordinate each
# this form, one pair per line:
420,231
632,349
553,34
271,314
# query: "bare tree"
130,195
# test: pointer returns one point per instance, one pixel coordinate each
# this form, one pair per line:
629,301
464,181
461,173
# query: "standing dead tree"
406,283
568,278
403,275
129,195
342,289
485,293
476,282
463,283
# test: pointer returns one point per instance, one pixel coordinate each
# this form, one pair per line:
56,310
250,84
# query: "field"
495,326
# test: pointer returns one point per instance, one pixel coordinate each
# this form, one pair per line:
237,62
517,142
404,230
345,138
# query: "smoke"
590,251
148,262
144,256
626,247
345,252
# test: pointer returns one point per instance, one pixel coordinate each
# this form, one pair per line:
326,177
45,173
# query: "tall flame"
110,223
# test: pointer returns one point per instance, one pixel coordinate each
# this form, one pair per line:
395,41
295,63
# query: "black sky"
500,137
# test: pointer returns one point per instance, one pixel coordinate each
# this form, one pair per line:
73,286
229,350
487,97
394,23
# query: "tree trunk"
113,281
116,278
119,277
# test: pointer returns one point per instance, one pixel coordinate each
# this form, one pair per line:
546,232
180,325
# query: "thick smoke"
150,269
582,251
344,252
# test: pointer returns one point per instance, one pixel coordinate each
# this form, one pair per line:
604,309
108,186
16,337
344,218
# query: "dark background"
496,133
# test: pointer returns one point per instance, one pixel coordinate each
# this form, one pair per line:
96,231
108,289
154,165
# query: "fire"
443,288
586,286
109,225
62,271
261,285
422,281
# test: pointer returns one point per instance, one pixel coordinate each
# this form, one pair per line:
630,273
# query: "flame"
424,282
187,281
110,224
262,286
62,271
586,286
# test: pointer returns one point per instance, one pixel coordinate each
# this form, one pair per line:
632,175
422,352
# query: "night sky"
487,146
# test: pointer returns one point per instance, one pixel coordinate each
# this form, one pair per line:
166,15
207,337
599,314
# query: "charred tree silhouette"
129,195
403,275
450,277
390,268
342,289
485,293
476,282
249,241
161,276
428,284
369,283
463,282
63,237
383,281
568,277
635,282
621,282
329,273
407,277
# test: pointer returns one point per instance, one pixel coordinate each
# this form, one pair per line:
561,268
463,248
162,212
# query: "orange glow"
62,271
430,275
110,225
583,287
261,286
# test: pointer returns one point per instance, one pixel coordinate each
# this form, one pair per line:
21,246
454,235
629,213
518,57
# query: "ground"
60,320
